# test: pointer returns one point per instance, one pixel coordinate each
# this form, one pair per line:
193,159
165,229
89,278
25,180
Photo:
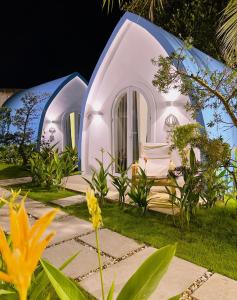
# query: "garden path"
13,181
121,256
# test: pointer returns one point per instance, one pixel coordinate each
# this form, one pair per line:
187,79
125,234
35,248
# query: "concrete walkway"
121,256
13,181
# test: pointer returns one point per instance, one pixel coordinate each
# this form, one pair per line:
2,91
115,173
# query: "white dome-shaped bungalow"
122,109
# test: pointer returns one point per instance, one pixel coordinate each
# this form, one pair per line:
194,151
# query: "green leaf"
41,281
68,261
39,286
177,297
6,292
111,292
145,280
64,287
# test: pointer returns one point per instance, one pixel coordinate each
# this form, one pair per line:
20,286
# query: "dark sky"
45,40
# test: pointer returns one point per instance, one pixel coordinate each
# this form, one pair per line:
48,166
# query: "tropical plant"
48,167
181,18
227,32
25,275
232,170
69,158
140,189
10,155
27,243
215,152
146,279
99,182
215,186
183,137
152,5
121,183
186,196
46,173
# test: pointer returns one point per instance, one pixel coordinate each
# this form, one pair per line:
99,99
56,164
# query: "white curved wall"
69,99
126,64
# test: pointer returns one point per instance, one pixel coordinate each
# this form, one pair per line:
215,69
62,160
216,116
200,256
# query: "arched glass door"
131,127
72,127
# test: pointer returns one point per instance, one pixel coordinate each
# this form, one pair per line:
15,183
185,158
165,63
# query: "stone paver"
4,193
85,262
4,211
112,243
77,183
77,199
218,287
68,228
180,276
38,212
12,181
33,204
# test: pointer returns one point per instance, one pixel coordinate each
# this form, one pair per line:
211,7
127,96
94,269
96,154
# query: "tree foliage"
215,90
17,125
228,32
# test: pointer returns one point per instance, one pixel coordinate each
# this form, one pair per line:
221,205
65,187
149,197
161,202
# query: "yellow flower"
22,257
94,209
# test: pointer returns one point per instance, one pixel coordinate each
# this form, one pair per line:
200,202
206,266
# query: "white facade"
67,102
126,67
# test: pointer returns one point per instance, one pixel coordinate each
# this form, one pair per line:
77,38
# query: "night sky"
45,40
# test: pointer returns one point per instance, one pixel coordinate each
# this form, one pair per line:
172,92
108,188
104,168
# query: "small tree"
5,122
23,119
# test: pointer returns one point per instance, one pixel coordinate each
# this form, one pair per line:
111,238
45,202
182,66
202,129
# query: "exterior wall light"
94,113
171,122
52,132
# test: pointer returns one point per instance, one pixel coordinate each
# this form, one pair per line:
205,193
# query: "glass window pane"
121,133
73,130
139,123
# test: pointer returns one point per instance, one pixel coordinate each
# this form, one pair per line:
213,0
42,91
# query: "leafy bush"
215,152
184,137
48,167
99,182
69,158
121,184
140,189
186,197
215,186
10,154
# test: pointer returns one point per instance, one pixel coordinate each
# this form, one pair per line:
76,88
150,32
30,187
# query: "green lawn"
12,171
42,194
211,241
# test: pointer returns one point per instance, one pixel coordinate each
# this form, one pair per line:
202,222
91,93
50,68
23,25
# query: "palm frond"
152,5
227,31
110,4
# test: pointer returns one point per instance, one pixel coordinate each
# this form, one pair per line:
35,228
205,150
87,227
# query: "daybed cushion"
155,167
